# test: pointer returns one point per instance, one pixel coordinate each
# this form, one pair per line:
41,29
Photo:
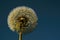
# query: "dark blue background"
48,12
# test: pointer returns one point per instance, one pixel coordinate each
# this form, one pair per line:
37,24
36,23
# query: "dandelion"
22,19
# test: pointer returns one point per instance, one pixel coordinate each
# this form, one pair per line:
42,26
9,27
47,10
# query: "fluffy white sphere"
14,25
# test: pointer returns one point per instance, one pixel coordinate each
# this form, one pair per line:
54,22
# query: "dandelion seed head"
25,15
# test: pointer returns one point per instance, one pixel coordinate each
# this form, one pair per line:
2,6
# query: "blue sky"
48,12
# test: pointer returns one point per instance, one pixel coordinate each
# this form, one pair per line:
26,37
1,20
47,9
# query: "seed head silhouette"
22,20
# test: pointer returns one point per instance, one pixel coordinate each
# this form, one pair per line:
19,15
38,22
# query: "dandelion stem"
20,36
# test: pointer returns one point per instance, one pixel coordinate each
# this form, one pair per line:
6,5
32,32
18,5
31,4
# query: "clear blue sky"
48,12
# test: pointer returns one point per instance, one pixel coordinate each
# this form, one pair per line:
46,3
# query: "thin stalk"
20,36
